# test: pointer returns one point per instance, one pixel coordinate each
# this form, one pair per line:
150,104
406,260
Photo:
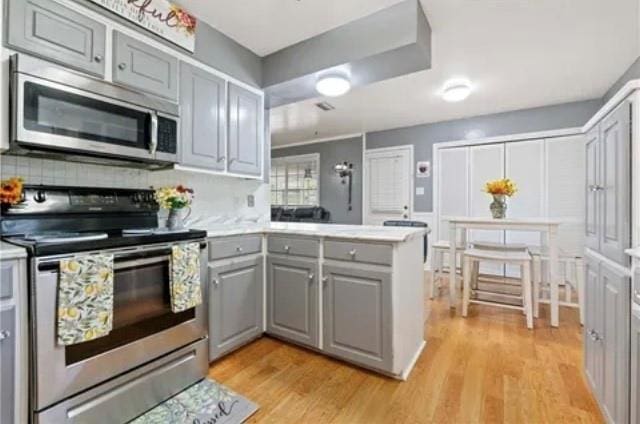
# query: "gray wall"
423,137
212,48
633,72
333,194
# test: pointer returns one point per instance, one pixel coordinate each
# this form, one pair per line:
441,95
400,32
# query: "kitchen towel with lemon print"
185,277
85,298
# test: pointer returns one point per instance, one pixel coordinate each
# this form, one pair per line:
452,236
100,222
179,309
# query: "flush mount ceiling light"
333,85
456,90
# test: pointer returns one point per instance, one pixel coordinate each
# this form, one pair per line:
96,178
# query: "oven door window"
52,111
141,308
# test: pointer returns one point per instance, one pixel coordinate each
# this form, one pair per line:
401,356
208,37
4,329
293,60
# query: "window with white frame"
295,180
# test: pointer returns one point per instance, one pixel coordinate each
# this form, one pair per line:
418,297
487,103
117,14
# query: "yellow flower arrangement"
174,197
11,191
501,187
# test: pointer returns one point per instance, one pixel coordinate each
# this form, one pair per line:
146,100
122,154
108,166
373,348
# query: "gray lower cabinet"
635,368
235,305
357,315
245,131
203,118
142,67
47,29
8,370
607,331
292,299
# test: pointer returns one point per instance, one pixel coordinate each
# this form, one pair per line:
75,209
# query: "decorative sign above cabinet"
161,17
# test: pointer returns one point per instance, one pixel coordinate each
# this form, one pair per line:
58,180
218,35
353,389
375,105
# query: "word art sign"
161,17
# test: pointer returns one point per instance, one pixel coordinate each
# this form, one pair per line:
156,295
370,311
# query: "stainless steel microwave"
57,112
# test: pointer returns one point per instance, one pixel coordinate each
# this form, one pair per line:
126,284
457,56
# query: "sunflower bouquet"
11,191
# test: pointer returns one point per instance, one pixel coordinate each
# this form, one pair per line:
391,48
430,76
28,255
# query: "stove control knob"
40,196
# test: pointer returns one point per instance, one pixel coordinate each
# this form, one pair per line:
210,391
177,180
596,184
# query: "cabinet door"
235,305
615,136
203,118
142,67
47,29
8,360
635,367
245,129
592,208
292,299
615,343
453,187
357,315
593,326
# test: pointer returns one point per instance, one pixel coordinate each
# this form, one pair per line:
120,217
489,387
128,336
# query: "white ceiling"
266,26
517,53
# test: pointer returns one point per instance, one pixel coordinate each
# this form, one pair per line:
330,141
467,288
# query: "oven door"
144,327
57,117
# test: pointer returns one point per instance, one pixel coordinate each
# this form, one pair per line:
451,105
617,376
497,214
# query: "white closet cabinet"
453,191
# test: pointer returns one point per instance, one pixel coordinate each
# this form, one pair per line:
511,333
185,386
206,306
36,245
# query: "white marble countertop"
352,232
633,252
11,251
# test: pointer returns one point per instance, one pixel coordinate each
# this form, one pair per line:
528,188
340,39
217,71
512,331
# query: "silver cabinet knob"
325,279
122,66
239,249
216,281
311,276
98,58
352,252
221,159
287,248
5,334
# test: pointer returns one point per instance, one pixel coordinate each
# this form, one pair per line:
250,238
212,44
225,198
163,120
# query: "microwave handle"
153,145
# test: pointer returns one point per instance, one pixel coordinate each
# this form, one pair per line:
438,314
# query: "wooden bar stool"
439,249
472,258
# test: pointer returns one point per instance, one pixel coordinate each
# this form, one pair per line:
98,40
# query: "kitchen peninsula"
351,292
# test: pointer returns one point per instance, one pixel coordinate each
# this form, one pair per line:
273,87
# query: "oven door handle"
141,262
153,145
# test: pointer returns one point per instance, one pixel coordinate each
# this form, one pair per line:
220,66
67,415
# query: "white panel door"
453,187
525,166
565,189
486,163
389,182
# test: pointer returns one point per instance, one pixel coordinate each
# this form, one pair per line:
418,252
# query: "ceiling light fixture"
333,85
456,90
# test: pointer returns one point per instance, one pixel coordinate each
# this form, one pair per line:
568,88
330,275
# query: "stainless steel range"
151,352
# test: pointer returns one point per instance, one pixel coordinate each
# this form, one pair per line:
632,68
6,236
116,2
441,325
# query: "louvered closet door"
486,163
389,173
453,187
524,165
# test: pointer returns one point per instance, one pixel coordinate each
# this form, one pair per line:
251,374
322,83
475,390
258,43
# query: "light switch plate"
419,191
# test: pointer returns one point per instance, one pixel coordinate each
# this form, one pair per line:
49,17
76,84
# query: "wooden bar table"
546,226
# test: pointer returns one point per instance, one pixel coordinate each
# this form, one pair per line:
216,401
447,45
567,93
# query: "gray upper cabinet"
616,303
615,184
593,326
357,315
592,215
142,67
245,129
8,371
635,368
292,299
47,29
203,118
235,305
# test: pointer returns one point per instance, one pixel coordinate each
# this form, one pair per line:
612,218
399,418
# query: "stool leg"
580,287
466,278
537,277
526,282
434,274
475,275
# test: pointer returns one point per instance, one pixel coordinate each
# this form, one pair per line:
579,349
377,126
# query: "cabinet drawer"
294,246
358,252
142,67
46,28
234,246
7,272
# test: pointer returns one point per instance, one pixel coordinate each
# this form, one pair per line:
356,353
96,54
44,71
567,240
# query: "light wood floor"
486,368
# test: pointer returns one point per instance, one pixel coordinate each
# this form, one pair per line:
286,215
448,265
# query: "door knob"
122,66
4,335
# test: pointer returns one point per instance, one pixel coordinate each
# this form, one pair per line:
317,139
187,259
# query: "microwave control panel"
167,135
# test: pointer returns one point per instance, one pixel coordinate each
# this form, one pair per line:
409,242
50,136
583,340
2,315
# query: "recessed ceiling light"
456,90
333,85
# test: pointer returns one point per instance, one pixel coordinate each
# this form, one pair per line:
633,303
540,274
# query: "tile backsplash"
214,195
